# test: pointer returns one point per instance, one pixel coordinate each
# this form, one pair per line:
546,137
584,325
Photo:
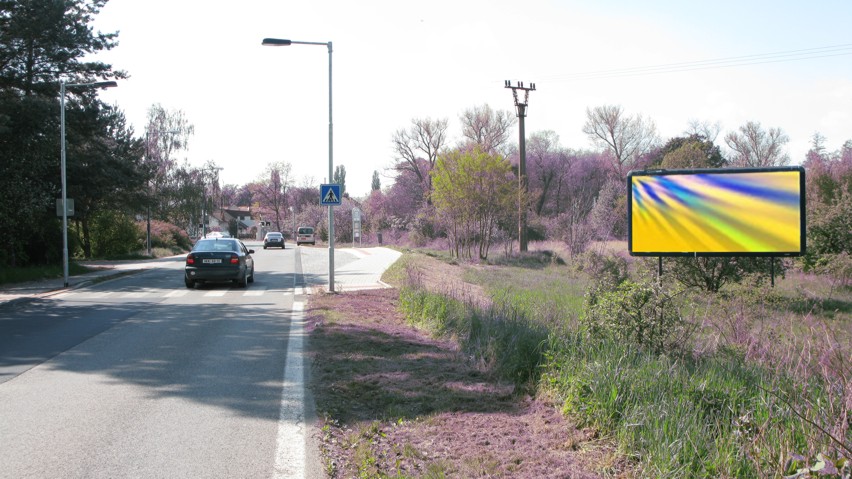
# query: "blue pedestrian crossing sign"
330,195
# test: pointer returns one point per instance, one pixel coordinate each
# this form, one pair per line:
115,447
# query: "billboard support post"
772,269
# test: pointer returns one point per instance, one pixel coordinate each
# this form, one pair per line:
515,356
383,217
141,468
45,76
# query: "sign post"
330,196
356,226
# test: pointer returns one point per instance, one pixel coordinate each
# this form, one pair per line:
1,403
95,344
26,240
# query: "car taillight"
235,259
190,259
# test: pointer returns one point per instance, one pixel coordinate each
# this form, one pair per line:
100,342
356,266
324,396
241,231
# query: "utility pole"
523,183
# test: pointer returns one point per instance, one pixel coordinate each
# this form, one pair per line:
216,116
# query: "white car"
305,234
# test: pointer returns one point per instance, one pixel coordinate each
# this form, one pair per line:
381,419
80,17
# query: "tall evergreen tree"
42,42
377,183
340,178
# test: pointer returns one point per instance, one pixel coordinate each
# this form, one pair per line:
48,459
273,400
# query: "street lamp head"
97,84
105,84
276,42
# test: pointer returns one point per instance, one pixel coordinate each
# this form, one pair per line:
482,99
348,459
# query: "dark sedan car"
219,259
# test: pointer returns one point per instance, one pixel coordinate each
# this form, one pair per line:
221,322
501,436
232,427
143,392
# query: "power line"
729,62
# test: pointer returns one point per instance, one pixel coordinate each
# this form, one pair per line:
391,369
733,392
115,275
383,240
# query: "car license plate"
212,261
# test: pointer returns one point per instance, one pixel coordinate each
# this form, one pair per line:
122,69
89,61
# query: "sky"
786,64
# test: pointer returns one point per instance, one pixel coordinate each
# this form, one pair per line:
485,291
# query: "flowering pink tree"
269,193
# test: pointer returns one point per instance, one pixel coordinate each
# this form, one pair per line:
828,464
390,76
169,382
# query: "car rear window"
306,231
216,245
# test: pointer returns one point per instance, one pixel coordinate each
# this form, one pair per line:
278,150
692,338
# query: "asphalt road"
142,377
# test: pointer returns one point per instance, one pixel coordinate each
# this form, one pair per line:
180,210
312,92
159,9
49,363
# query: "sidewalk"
105,270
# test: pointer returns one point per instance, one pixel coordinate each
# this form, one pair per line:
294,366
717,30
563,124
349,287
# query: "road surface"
142,377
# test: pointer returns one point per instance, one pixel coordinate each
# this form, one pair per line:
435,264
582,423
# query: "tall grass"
677,417
547,296
726,412
500,341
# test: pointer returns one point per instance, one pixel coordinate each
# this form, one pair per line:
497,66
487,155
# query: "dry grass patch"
394,402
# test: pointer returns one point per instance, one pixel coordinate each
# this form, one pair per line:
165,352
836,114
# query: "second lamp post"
279,42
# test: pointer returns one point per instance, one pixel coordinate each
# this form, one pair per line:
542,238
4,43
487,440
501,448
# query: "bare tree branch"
755,147
627,138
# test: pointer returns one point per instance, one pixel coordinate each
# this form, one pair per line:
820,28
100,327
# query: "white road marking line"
135,294
256,292
214,294
177,293
290,443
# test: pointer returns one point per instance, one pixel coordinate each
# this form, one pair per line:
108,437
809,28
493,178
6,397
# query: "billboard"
716,212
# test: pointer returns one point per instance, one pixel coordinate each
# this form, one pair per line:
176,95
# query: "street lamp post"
283,42
293,214
62,87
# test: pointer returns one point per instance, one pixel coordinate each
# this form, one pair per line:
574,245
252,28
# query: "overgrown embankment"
688,384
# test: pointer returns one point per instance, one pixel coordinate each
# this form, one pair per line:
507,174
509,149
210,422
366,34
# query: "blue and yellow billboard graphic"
722,212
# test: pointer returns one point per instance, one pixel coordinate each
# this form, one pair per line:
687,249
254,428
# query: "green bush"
113,233
608,268
640,312
712,273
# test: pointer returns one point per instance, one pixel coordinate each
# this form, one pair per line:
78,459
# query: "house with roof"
240,216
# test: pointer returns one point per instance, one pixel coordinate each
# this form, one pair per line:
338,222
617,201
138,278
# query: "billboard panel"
717,212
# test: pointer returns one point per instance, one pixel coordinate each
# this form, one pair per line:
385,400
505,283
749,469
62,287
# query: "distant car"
219,259
305,235
273,239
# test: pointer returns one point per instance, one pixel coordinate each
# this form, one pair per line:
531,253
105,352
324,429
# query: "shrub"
113,233
640,312
609,268
712,273
166,235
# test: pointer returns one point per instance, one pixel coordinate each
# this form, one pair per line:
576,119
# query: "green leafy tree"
104,167
472,191
686,152
114,233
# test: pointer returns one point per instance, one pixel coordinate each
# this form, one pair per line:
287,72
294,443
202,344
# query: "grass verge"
718,414
38,273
